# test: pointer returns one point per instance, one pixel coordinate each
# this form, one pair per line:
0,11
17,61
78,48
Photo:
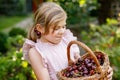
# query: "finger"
110,78
110,69
110,75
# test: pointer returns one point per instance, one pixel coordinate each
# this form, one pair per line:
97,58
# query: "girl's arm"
36,62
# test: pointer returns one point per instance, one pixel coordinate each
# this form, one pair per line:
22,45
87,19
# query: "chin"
57,42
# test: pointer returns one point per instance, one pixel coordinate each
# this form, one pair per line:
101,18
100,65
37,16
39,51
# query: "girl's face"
55,35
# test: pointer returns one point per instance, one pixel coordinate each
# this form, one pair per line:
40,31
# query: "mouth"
59,37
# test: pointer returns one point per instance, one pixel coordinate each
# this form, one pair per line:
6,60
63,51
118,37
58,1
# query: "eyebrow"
61,26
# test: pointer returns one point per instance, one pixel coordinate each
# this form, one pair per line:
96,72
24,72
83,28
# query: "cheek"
51,35
55,32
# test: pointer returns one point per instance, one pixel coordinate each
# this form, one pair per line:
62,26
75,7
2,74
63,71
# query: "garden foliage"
12,64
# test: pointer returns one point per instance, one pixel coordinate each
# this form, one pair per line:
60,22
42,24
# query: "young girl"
45,48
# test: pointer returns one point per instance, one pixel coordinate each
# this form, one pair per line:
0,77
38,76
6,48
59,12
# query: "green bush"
3,42
79,12
17,31
15,42
13,66
10,43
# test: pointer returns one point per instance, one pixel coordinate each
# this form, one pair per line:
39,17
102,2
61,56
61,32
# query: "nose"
61,31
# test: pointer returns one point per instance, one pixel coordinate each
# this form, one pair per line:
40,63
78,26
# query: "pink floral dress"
54,57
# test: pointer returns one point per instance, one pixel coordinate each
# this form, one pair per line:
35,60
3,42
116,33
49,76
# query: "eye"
64,26
57,28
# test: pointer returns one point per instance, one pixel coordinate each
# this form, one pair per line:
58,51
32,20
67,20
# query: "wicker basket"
101,69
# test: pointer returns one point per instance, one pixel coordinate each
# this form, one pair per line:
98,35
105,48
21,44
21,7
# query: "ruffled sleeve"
26,47
38,47
68,36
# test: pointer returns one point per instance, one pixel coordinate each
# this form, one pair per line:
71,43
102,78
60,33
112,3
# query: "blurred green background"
94,22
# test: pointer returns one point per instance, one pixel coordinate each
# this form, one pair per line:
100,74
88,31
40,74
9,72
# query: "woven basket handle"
87,49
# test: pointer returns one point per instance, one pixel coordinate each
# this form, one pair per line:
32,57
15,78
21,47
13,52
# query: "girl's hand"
110,73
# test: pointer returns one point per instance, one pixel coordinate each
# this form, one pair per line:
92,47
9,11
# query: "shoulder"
34,55
33,51
68,36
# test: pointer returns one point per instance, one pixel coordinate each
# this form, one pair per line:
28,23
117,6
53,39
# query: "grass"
9,21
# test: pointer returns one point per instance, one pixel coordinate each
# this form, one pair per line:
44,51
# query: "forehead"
62,22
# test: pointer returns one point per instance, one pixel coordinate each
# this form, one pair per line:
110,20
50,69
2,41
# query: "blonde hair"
48,14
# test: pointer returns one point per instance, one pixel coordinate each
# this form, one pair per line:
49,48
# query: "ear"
40,28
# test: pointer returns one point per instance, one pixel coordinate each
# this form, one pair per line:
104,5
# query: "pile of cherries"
83,67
